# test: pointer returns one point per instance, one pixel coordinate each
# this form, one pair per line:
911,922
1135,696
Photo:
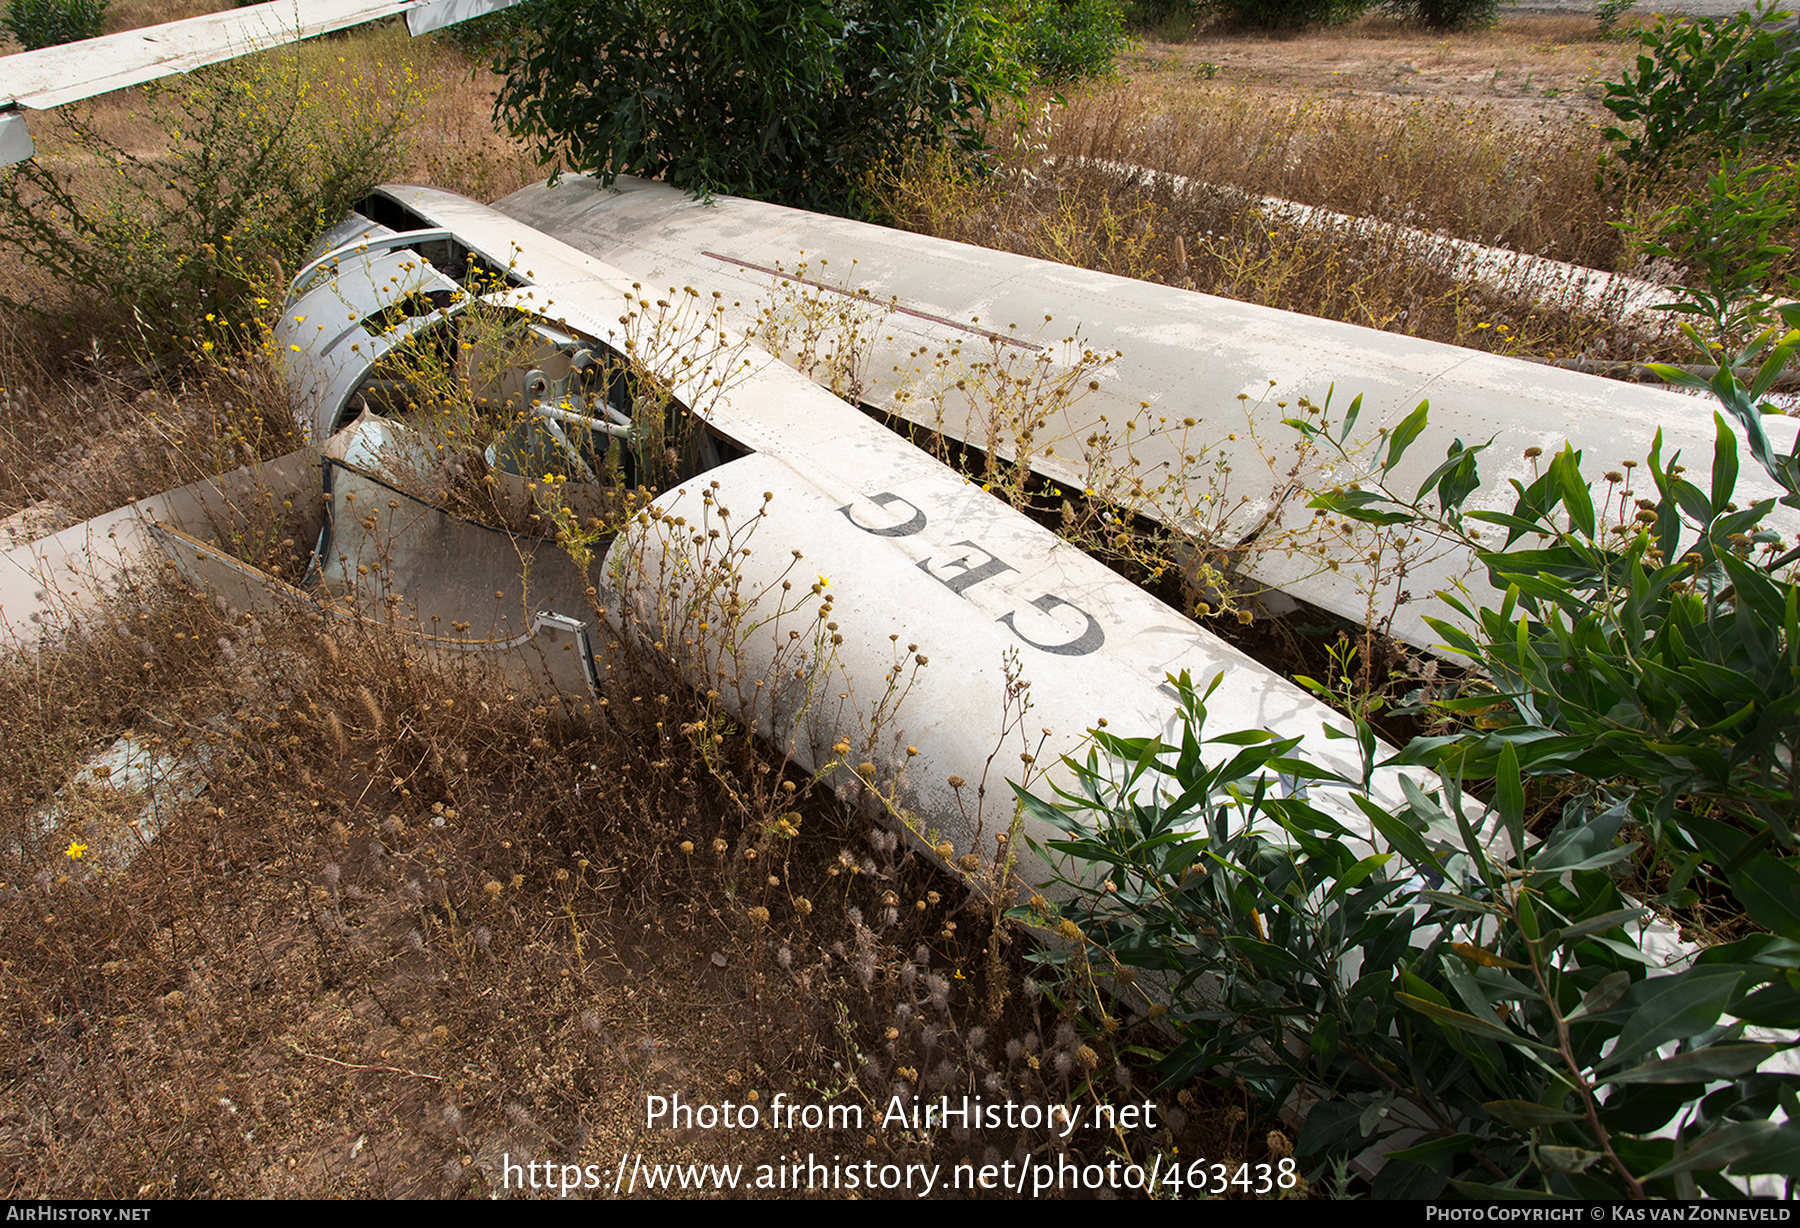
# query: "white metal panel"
441,572
911,550
428,17
50,582
328,349
354,229
551,655
15,139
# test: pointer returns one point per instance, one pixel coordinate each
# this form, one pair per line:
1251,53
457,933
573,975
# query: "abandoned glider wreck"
862,605
865,608
854,599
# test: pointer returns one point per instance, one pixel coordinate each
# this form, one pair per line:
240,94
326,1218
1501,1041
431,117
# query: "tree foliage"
794,101
1282,14
1706,88
1432,970
1445,14
1427,968
49,23
1737,233
1066,40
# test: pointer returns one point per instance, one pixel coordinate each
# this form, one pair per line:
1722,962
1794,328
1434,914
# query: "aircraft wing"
52,76
1193,406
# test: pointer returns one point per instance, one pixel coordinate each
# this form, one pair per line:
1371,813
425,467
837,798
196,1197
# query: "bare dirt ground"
1528,66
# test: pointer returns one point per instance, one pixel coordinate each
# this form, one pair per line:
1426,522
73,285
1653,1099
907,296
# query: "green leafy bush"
263,154
1158,12
1283,14
1668,656
1445,982
1648,646
49,23
1703,89
796,101
1445,14
1729,233
1069,39
1432,967
1608,12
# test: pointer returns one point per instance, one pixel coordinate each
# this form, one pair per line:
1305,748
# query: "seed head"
370,708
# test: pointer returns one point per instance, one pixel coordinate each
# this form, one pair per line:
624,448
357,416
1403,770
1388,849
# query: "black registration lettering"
1091,638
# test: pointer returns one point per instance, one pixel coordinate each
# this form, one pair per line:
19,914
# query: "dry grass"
405,930
1104,216
89,423
1462,169
89,430
415,925
136,14
455,143
1529,65
1490,137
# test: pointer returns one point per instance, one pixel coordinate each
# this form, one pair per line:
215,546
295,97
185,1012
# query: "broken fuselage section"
865,608
874,616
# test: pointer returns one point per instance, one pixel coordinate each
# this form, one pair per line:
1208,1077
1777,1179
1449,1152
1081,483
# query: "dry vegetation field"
411,925
1491,137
